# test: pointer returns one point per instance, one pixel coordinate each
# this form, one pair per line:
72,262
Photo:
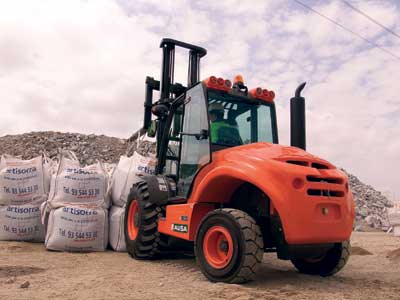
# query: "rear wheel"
143,241
229,246
329,264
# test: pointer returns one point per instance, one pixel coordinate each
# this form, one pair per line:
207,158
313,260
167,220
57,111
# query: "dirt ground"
373,272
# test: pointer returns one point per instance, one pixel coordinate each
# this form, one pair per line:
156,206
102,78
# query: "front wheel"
143,241
329,264
229,246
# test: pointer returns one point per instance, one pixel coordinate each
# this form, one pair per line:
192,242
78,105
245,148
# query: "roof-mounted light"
262,94
213,80
238,80
215,83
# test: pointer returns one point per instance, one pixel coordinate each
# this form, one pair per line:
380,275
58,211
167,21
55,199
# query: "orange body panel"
182,220
290,177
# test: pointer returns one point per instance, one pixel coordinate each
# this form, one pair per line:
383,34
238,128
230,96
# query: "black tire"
148,242
247,245
332,262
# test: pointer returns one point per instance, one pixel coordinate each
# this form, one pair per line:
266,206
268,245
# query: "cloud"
80,66
73,65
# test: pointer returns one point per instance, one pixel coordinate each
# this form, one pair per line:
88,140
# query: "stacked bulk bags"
124,176
24,186
76,212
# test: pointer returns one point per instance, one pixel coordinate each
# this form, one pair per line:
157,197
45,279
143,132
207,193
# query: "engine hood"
300,186
265,152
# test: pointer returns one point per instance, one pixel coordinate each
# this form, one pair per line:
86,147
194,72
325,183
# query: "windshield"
235,121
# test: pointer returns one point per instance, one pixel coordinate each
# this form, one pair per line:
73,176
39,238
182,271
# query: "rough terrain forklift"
224,183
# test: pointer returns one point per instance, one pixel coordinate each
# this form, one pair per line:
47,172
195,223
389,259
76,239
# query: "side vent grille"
325,193
298,162
303,163
318,166
327,180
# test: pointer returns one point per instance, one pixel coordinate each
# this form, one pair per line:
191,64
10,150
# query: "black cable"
370,18
348,30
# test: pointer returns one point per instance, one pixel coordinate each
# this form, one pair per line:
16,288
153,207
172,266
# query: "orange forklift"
224,184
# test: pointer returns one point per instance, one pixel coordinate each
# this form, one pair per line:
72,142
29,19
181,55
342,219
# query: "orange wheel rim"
218,247
133,220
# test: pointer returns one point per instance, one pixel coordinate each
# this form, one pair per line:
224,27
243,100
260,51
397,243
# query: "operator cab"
235,120
210,117
199,121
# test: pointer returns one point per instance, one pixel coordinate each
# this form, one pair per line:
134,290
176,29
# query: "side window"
195,152
265,124
243,121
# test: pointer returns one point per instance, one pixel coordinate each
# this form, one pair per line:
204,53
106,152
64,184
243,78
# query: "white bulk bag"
50,168
73,184
122,180
116,226
21,223
77,228
144,164
396,230
23,181
394,216
109,167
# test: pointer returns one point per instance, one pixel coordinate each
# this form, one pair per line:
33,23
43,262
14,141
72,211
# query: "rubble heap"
371,205
88,148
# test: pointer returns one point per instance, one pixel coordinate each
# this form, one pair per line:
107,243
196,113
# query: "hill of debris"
371,205
88,148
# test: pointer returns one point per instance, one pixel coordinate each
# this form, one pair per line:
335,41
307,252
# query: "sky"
80,66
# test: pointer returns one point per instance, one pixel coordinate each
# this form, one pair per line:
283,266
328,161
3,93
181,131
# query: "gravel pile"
371,205
143,148
88,148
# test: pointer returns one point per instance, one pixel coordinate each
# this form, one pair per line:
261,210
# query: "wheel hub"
223,246
218,247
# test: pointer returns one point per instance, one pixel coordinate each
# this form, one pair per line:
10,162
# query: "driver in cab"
223,132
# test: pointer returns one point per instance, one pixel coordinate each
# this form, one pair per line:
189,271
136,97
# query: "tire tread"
148,243
253,244
331,264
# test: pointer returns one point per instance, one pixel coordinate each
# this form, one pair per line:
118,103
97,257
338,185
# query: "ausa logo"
179,228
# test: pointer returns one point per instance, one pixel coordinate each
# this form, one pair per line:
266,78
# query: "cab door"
195,148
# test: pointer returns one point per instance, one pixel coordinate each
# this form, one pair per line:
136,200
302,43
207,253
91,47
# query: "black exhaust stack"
298,119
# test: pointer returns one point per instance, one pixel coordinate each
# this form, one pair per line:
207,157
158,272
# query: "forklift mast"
168,89
168,63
